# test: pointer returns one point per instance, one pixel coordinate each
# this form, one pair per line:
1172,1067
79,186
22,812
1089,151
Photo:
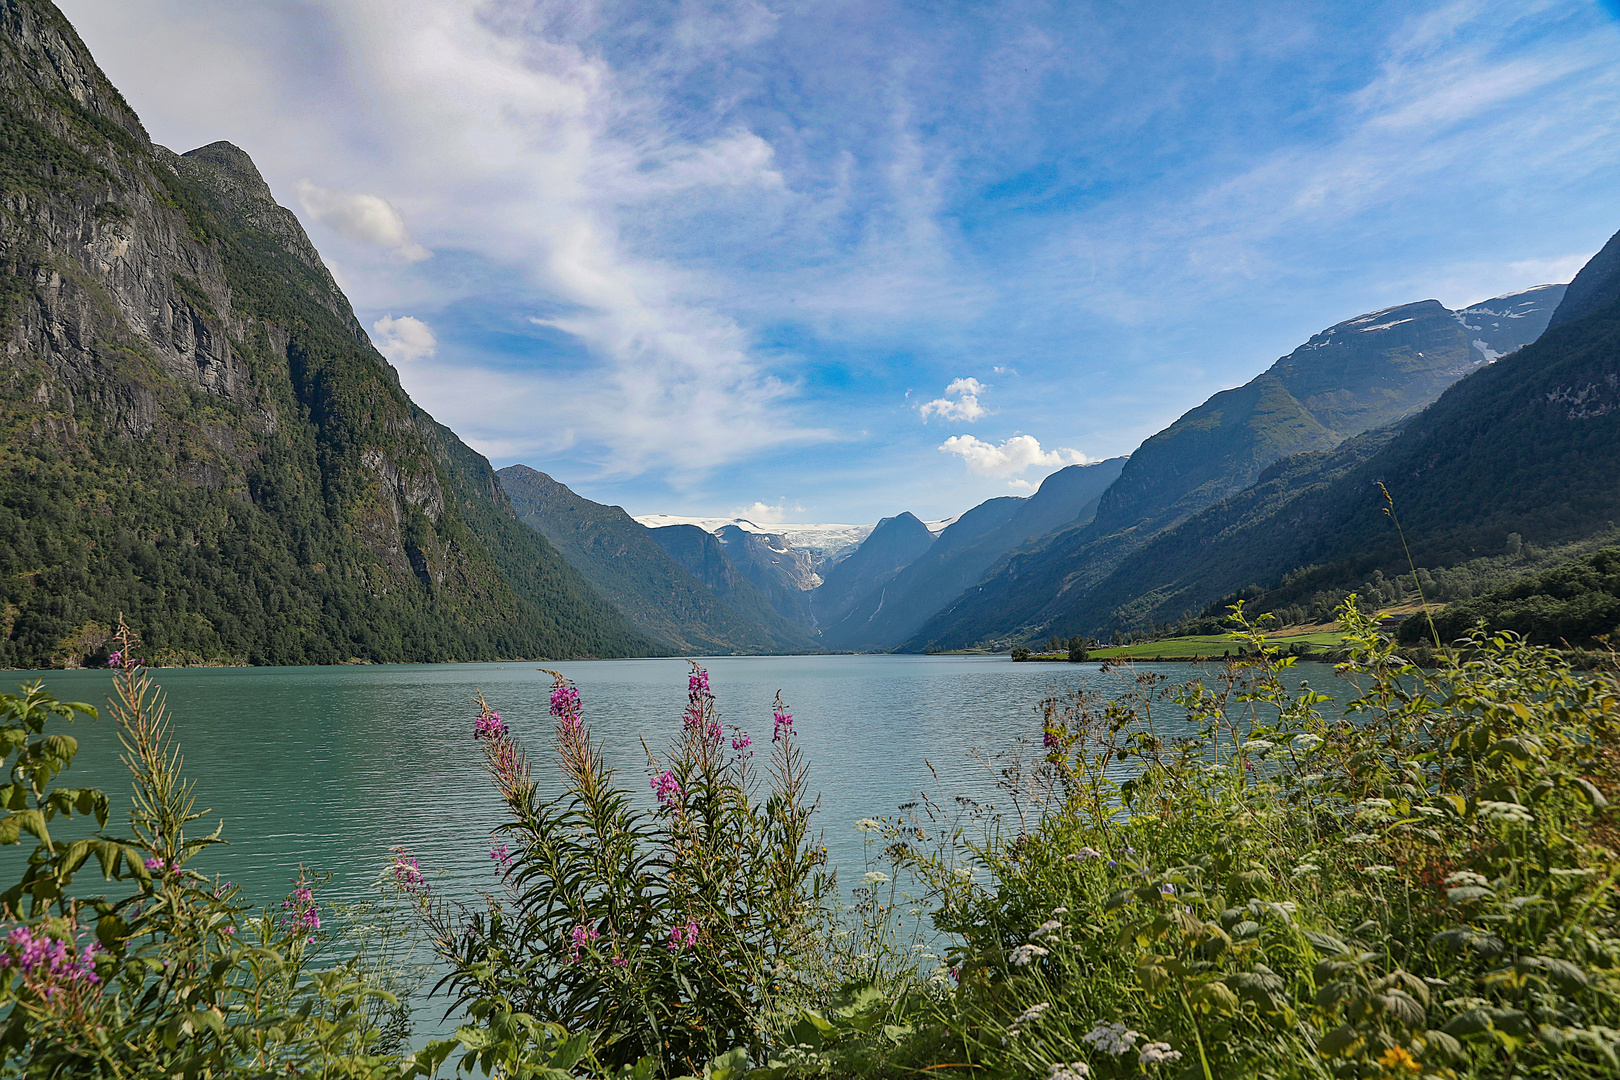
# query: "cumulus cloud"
761,513
404,339
1015,455
965,405
369,219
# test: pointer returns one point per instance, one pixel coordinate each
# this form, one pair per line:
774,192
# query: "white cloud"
1014,455
404,339
767,514
369,219
965,407
1021,485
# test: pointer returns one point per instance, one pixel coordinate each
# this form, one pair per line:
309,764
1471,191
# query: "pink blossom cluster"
581,936
682,937
741,741
489,725
666,787
565,707
784,724
49,964
155,864
500,854
407,874
699,714
303,914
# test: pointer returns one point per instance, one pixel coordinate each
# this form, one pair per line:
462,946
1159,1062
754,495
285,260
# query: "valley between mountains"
201,438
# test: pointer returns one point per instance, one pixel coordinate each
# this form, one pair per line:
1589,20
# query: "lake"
329,767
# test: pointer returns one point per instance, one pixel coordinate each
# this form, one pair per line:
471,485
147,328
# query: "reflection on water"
329,767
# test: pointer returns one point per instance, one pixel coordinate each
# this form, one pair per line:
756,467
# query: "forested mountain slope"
197,433
964,551
621,558
1353,377
1526,450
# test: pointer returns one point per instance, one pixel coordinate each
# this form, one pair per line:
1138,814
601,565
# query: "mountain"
967,548
784,573
625,563
1353,377
1596,287
197,432
1524,451
893,544
705,558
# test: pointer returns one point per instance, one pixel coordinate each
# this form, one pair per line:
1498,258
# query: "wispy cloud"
405,339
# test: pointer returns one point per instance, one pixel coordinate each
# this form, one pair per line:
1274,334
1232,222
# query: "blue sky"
831,261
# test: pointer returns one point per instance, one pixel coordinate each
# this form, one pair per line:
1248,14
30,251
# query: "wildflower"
489,725
1074,1070
1374,809
1024,955
407,874
1305,868
1155,1052
682,937
667,788
784,724
1361,838
1028,1016
115,659
741,741
581,936
1167,889
154,864
874,877
964,873
867,824
1258,746
1050,926
1378,869
1397,1059
501,855
619,961
1511,813
303,915
1304,744
1084,854
565,706
1464,878
1113,1039
49,964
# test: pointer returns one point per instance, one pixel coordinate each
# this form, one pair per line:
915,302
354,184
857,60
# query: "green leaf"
1342,1041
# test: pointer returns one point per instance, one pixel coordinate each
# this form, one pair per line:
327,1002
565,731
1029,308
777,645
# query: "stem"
1203,1059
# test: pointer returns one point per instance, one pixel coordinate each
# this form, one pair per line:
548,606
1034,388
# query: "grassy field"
1196,646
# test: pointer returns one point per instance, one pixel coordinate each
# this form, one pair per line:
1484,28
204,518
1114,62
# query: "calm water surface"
330,766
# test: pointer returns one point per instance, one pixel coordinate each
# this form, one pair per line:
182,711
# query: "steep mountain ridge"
625,563
1353,377
894,543
198,433
967,548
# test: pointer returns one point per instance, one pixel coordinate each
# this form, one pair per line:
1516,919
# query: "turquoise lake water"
329,767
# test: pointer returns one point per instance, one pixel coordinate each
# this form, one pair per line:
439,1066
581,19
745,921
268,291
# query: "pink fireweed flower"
154,864
565,706
115,659
784,724
49,964
667,788
581,936
682,937
406,873
303,915
489,725
741,741
501,855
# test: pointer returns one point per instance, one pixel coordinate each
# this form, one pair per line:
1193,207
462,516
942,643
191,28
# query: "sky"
829,261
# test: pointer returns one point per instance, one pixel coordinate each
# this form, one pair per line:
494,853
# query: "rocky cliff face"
192,407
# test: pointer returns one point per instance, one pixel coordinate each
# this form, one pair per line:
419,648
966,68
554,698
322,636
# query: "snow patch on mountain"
826,541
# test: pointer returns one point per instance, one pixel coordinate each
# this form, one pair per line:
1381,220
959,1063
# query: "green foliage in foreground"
1577,603
1423,888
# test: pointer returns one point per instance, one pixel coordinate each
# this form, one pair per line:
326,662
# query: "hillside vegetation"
197,433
